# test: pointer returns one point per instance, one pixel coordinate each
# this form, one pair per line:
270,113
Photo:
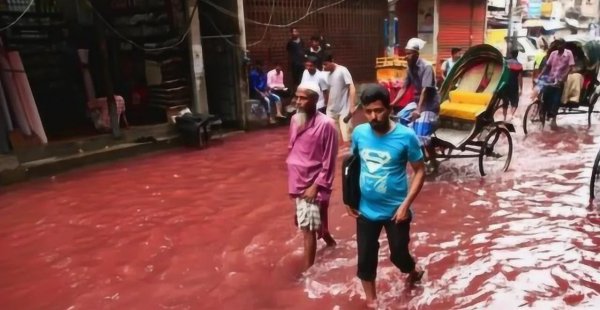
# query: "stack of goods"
166,85
153,24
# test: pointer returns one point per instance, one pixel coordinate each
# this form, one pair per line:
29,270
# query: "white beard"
301,118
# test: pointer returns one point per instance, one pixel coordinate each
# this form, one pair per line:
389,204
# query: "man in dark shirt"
424,109
317,51
296,56
515,83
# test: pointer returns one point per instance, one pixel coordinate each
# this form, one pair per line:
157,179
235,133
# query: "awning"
548,25
579,24
497,4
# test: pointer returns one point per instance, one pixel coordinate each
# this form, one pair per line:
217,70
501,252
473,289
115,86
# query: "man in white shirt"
313,75
342,95
449,63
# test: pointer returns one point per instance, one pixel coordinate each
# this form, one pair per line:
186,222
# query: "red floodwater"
213,229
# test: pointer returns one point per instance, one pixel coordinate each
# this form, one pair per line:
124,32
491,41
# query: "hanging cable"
251,21
222,10
19,17
146,49
309,7
266,26
221,34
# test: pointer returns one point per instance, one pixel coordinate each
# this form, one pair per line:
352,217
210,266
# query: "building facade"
442,24
353,30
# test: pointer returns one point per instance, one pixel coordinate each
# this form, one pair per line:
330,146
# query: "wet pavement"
213,229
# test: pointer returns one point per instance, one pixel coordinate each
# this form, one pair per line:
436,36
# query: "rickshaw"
595,179
586,51
470,96
390,68
391,71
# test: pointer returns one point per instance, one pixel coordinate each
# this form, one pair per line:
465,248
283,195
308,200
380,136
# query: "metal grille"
354,29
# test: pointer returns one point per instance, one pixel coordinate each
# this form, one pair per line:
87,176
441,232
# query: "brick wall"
354,29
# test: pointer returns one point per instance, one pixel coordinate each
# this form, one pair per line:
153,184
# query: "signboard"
534,9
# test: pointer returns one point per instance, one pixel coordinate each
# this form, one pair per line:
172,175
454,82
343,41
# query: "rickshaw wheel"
595,179
593,99
533,118
496,152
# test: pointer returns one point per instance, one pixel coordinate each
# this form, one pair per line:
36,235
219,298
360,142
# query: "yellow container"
547,9
390,68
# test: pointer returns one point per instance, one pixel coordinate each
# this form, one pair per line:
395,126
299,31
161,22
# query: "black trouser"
367,237
512,98
281,93
297,71
552,96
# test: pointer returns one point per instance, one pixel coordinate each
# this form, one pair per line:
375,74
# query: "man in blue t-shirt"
385,148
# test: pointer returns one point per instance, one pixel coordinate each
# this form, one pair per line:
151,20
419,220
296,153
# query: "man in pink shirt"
275,78
311,168
558,66
275,82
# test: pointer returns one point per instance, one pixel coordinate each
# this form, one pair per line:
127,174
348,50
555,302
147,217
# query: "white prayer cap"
310,86
415,44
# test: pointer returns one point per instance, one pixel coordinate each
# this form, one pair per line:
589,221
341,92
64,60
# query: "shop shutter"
461,24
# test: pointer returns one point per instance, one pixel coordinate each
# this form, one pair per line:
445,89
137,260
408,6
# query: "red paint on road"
213,229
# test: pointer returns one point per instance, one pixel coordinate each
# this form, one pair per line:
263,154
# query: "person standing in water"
385,149
313,148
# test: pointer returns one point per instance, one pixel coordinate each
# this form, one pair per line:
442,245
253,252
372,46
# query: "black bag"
351,180
194,128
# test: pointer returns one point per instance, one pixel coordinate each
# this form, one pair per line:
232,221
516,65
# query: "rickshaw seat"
465,105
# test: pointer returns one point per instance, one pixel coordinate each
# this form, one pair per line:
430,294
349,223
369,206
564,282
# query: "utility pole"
107,80
243,79
509,38
197,73
391,26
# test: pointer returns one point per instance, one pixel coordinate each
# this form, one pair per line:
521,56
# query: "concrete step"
90,144
58,164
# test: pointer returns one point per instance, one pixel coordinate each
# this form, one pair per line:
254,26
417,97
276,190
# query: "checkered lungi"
308,215
424,126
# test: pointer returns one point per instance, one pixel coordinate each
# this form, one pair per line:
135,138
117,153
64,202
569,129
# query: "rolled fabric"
24,91
4,110
13,96
90,91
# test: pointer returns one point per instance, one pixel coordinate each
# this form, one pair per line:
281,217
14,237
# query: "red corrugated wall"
354,29
461,24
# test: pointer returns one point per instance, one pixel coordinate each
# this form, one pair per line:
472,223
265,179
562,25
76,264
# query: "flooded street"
214,229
